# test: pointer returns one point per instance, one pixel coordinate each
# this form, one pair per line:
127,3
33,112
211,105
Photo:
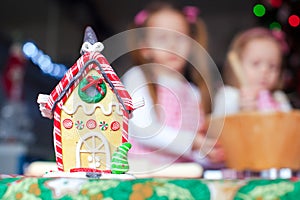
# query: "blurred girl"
253,73
170,127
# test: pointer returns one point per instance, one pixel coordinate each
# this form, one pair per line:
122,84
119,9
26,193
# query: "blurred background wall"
56,28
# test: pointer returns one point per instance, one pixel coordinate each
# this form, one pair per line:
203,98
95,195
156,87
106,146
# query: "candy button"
91,124
67,123
115,126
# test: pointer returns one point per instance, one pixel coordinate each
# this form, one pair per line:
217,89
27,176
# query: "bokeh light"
275,25
294,20
259,10
43,61
29,49
276,3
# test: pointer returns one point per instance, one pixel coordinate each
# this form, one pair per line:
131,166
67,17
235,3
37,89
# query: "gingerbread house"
90,107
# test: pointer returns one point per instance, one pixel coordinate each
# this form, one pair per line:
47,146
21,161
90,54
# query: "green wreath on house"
92,89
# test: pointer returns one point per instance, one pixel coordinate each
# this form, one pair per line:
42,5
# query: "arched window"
95,148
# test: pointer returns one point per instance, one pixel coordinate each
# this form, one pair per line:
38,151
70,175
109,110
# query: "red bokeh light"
294,20
276,3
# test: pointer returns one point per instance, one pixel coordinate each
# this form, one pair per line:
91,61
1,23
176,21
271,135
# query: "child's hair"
241,40
198,32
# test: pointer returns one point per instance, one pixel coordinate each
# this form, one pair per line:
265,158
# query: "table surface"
21,187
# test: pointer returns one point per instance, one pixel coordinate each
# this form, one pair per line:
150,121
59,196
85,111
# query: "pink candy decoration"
67,123
91,124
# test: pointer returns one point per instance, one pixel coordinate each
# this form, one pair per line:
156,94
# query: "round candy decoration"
79,125
103,125
92,89
67,123
91,124
115,126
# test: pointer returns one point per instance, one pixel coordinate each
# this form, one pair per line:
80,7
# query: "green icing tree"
119,163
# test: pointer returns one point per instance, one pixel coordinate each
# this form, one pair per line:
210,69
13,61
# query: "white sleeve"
145,128
283,101
226,101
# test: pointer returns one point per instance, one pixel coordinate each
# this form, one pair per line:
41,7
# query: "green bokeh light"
259,10
275,25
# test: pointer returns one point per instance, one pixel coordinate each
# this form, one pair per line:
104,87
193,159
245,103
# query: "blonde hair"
237,46
197,31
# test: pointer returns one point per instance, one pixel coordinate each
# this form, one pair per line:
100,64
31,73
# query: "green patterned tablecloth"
32,188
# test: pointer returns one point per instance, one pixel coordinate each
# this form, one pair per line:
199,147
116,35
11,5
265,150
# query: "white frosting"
89,110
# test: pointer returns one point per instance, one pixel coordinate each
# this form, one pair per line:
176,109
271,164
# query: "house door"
93,149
